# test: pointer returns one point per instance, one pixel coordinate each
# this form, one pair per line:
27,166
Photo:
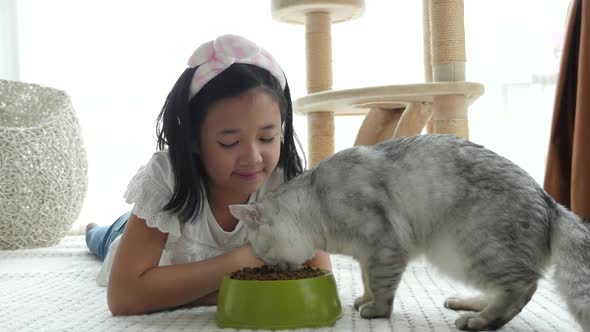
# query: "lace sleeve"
150,191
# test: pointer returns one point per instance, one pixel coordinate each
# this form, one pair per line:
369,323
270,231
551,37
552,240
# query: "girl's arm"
209,299
137,285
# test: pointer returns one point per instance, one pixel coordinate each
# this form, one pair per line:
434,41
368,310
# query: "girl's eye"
227,146
262,139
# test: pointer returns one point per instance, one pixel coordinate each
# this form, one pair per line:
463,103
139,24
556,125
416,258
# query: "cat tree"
392,110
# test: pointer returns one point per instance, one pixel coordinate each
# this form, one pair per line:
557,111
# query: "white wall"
9,55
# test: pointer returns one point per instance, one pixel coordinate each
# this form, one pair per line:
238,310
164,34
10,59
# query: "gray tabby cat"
476,216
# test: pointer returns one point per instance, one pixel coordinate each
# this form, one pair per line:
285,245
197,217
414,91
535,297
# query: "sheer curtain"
119,59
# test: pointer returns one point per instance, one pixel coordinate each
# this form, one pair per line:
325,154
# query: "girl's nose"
250,155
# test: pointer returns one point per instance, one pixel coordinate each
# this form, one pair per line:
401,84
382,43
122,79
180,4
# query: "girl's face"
241,143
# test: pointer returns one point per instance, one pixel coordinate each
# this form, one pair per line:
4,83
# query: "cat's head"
275,235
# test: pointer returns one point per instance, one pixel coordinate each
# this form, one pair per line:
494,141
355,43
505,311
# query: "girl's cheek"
275,151
270,155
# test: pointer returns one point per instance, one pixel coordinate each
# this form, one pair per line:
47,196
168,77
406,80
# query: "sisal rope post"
321,136
318,39
450,116
447,40
427,53
447,35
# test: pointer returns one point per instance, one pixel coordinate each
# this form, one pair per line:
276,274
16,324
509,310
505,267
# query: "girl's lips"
248,175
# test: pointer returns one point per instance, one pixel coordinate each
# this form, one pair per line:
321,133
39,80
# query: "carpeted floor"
53,289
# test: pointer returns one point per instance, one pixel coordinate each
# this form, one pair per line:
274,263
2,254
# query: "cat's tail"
570,246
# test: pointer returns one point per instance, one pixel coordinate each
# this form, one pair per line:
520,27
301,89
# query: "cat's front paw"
472,322
475,303
359,301
370,310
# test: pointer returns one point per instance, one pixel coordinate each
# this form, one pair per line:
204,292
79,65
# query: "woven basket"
42,165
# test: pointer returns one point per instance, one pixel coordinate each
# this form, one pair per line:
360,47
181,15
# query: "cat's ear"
246,212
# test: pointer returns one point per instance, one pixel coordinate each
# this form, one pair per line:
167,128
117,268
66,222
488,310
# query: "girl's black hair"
178,127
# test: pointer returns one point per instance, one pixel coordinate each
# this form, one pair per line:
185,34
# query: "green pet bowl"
278,304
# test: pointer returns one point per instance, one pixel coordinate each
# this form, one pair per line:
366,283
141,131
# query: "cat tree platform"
440,104
394,110
296,11
359,101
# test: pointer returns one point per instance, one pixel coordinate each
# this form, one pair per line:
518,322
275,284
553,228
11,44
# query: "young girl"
227,125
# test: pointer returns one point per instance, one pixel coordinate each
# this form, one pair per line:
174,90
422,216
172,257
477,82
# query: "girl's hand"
320,260
244,256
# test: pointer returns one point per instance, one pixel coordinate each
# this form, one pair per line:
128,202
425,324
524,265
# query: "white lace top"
150,190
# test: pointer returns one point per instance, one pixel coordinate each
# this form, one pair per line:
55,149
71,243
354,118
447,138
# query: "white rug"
53,289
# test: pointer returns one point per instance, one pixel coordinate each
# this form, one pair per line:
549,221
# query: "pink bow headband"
217,55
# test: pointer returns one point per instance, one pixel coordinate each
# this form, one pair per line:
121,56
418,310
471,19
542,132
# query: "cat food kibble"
267,272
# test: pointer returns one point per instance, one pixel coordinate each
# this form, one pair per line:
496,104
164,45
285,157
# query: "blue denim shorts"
99,238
